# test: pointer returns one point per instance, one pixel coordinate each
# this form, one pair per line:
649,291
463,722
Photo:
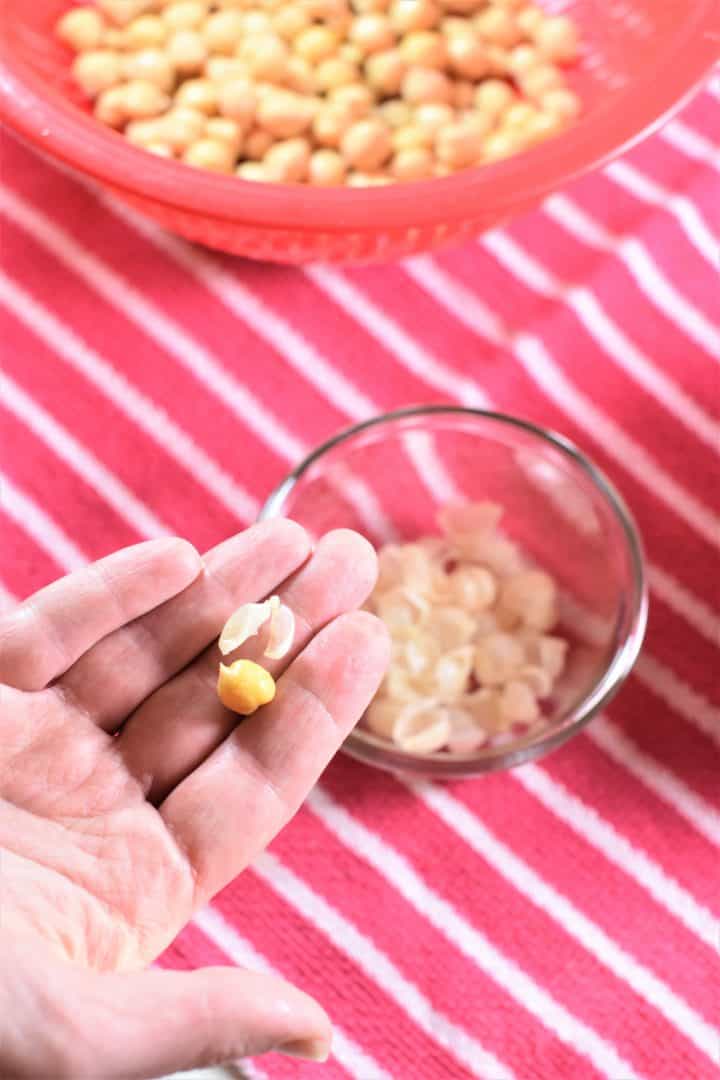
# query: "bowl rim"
633,621
57,126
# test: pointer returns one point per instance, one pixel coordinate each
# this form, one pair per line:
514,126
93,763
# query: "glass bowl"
388,477
641,59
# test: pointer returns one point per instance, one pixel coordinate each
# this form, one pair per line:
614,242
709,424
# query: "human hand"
129,796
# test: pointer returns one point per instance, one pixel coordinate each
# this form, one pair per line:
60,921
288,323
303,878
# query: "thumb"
135,1026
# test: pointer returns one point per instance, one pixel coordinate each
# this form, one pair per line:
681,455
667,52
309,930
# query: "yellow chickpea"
285,114
424,48
144,99
366,145
421,86
222,68
200,94
493,97
518,115
185,15
413,163
315,44
266,56
372,33
501,144
244,687
412,136
287,161
498,27
561,102
97,70
160,149
110,107
124,11
290,20
144,132
224,130
152,65
334,72
331,123
467,56
385,71
529,18
181,127
543,126
257,144
326,168
397,113
299,75
81,28
147,32
222,31
212,154
362,179
539,80
408,15
459,145
461,7
522,58
238,100
557,39
357,99
363,7
251,170
186,49
433,117
256,22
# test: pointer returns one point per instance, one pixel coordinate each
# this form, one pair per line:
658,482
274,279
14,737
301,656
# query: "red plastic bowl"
642,59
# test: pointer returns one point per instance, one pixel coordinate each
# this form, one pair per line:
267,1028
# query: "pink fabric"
556,923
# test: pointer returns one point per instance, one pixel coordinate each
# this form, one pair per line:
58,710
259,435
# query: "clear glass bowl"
387,478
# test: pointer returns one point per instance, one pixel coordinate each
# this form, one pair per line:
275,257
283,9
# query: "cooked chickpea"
315,44
529,18
366,145
97,70
408,15
256,22
266,56
331,123
498,27
144,99
213,154
81,28
459,145
290,20
424,48
285,114
372,33
243,687
299,76
238,100
333,73
462,7
326,168
147,32
110,107
397,113
185,15
385,71
501,144
519,114
467,56
287,161
522,58
462,94
144,132
221,68
412,136
421,86
160,149
539,80
223,31
433,117
412,163
224,130
556,38
181,127
493,97
187,51
561,102
124,11
152,65
200,94
356,98
251,170
361,179
257,144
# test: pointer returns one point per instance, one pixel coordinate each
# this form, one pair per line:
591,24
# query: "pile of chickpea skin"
326,92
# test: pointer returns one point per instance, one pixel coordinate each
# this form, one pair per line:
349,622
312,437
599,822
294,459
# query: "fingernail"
307,1049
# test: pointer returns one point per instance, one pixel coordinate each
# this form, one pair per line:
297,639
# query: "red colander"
641,60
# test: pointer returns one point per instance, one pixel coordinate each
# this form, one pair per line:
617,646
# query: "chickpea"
556,39
326,169
238,100
266,56
421,86
222,68
413,163
181,127
143,132
357,98
287,161
187,51
366,145
424,48
542,127
212,154
224,130
251,170
518,115
185,15
299,76
110,107
160,149
124,11
256,22
411,137
200,94
81,29
244,687
493,96
290,20
223,31
462,94
462,7
397,113
433,117
361,179
315,44
467,56
372,33
385,71
561,102
97,70
539,80
285,114
151,65
529,18
498,27
522,59
144,99
362,7
257,144
408,15
146,32
331,123
459,145
333,73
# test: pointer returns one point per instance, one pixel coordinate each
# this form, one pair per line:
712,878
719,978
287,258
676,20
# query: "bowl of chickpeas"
291,130
511,581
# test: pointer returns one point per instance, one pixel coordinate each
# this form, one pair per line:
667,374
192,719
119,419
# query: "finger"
181,724
44,636
236,801
129,1027
112,679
